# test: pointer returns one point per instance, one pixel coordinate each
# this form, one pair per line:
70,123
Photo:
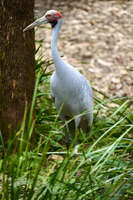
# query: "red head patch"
59,14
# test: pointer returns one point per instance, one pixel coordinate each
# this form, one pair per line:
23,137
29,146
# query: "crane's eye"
55,16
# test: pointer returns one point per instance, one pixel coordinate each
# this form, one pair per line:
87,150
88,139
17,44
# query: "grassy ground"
102,170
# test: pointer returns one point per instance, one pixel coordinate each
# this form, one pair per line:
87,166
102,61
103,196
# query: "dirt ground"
97,38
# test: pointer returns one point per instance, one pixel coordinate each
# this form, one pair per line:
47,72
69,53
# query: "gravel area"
97,38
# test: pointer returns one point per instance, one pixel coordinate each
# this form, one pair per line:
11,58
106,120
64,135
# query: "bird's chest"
66,94
66,89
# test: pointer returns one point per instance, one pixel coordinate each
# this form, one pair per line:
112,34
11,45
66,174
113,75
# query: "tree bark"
17,65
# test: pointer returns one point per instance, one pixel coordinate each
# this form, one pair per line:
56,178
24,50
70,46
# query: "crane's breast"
73,94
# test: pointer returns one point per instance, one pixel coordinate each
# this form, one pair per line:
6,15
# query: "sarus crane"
70,90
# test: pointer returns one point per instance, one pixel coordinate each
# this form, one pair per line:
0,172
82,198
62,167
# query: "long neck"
55,54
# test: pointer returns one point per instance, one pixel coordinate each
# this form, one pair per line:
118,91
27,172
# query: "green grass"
103,169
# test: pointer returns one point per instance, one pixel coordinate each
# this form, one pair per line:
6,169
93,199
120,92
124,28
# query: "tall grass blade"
33,100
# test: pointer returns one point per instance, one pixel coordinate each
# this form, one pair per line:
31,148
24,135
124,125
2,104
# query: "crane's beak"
38,22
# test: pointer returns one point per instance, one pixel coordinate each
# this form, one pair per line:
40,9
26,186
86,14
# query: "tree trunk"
17,66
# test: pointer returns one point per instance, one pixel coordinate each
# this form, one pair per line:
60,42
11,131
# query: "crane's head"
51,16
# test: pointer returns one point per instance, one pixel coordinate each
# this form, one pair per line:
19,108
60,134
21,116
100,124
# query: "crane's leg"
67,136
76,133
73,131
70,131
